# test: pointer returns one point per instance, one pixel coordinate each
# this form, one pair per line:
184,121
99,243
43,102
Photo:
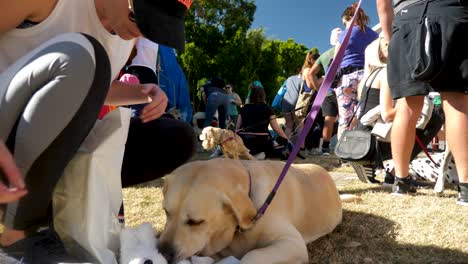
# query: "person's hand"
7,164
118,15
158,102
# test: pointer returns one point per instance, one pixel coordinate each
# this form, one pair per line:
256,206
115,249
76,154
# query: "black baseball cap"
162,21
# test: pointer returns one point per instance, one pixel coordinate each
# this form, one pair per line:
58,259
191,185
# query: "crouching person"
53,84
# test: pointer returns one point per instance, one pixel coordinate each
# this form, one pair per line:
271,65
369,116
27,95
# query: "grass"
380,229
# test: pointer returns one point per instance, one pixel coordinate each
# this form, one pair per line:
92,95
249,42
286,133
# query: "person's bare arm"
13,176
204,98
388,110
308,78
274,124
237,99
239,122
15,12
128,94
385,11
315,82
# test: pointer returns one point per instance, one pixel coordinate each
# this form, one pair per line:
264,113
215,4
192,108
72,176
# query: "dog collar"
227,140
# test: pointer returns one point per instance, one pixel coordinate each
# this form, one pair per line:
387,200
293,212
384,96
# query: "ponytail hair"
362,19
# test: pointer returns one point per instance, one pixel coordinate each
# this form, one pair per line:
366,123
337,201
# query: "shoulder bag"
357,144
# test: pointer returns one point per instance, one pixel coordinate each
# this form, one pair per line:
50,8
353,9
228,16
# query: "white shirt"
67,16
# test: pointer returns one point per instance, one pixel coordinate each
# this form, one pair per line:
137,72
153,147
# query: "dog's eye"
192,222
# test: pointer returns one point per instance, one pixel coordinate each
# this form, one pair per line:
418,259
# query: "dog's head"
205,201
138,246
211,137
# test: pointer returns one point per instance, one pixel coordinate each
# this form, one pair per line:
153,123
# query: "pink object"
129,78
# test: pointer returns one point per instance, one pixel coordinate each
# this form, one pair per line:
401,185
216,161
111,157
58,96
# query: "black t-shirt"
209,89
256,117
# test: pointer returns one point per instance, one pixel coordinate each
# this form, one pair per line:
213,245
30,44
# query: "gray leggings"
49,101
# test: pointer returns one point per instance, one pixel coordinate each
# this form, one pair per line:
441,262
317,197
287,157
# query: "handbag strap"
366,90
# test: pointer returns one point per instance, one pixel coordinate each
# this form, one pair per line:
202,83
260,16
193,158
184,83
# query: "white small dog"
138,245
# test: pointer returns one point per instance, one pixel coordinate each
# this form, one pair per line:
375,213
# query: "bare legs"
456,130
404,131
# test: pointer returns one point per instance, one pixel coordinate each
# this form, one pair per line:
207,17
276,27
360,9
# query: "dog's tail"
349,198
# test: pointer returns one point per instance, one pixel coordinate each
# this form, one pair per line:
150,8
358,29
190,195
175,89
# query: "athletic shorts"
330,105
429,49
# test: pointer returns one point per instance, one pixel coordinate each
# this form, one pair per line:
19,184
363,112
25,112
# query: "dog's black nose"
148,261
168,252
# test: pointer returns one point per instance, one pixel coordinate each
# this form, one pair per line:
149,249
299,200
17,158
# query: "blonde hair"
372,54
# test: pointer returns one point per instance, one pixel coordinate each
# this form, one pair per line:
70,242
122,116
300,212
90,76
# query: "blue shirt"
358,41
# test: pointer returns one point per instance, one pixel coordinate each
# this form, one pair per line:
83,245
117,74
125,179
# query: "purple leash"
322,93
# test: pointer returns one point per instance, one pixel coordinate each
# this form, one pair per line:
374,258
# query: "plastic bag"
88,196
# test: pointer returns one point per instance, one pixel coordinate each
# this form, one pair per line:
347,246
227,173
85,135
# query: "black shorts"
330,105
429,49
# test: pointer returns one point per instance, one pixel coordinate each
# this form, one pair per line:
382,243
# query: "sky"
308,22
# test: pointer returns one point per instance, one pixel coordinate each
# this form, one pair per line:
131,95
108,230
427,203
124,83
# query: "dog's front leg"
285,248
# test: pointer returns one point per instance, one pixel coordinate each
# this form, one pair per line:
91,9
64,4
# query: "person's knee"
410,107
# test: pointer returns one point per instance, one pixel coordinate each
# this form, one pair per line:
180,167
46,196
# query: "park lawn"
379,229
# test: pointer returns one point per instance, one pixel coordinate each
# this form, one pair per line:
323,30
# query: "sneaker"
389,180
462,198
260,156
44,247
315,151
325,152
216,153
403,186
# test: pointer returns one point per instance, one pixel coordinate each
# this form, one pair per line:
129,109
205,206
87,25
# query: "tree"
221,43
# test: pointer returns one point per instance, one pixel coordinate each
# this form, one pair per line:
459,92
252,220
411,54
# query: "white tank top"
67,16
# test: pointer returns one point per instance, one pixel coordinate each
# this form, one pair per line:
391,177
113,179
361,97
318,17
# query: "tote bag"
87,198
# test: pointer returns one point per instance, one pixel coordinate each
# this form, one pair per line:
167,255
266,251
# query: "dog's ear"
210,137
202,136
240,204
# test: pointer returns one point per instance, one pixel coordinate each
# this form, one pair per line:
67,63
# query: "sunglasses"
227,87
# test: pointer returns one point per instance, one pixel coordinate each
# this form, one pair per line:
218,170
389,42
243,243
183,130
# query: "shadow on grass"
366,238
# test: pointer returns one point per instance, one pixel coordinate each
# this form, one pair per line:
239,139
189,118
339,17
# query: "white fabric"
382,129
67,16
87,198
371,117
139,245
147,54
335,33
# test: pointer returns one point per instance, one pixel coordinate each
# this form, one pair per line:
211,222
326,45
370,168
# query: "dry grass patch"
380,229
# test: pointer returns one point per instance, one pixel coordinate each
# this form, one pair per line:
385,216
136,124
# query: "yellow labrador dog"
210,206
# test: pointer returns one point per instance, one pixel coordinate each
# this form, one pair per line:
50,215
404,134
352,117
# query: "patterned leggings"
346,95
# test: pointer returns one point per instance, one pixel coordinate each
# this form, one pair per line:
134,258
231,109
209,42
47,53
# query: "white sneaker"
315,151
260,156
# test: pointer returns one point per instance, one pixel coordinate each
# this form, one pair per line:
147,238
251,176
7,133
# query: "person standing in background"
216,99
352,67
329,106
234,102
415,69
